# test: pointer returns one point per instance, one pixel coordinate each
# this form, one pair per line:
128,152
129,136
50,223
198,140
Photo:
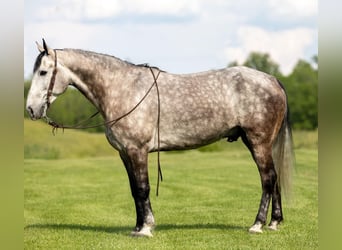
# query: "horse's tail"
283,154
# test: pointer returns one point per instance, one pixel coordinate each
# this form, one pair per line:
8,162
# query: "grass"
207,201
40,143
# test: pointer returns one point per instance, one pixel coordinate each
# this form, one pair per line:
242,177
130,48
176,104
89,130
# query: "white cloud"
179,7
95,9
99,9
294,8
79,10
149,30
284,47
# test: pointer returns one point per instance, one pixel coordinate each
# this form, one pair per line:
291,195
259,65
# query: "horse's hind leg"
262,154
277,214
135,161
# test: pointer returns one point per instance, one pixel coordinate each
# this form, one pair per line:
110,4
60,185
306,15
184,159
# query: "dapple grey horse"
186,111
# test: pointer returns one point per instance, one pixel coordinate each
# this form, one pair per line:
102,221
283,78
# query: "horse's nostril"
30,111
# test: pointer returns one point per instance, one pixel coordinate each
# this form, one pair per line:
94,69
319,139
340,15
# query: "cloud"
179,7
294,8
95,9
284,47
102,10
180,36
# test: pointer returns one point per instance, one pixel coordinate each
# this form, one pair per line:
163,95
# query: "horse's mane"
86,52
91,53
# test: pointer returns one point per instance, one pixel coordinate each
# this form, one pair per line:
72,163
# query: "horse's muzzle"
30,112
35,115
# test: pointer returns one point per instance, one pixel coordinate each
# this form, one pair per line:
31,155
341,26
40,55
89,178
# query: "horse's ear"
40,47
46,49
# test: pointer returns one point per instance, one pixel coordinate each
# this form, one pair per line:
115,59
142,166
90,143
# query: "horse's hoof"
256,228
144,232
273,225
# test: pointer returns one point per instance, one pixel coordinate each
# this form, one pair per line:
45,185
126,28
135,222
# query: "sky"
179,36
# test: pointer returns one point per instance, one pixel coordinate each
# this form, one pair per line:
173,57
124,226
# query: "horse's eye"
42,73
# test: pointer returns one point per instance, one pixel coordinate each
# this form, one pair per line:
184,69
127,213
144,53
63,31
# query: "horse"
181,111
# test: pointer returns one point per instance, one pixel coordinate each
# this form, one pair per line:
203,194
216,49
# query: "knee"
141,192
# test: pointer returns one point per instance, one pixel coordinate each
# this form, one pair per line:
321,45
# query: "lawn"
208,199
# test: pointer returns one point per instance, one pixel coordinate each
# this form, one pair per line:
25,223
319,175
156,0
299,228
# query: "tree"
302,91
232,64
262,62
315,59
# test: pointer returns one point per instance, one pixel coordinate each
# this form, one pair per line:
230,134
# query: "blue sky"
179,36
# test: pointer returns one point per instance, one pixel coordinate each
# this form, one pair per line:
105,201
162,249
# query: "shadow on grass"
126,230
199,226
99,228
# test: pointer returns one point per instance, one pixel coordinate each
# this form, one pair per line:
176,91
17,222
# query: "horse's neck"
92,73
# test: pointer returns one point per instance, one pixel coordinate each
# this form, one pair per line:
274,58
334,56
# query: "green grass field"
77,196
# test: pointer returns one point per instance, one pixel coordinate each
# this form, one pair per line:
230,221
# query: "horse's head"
49,80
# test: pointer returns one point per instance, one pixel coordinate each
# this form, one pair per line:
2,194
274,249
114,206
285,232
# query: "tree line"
301,86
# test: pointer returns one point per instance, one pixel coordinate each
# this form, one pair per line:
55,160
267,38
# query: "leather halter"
52,82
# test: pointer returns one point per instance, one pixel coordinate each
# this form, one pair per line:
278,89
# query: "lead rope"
56,126
160,175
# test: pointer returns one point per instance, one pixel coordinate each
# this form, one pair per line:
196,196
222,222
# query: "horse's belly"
192,135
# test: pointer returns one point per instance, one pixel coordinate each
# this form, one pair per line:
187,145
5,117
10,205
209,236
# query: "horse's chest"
113,140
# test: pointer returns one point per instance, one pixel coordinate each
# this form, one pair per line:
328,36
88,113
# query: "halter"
52,83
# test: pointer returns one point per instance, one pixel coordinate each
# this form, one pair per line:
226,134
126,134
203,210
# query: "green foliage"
262,62
72,107
302,91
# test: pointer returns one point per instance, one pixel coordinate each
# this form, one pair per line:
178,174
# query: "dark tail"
283,155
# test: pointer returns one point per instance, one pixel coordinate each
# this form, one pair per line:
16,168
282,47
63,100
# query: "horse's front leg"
135,161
